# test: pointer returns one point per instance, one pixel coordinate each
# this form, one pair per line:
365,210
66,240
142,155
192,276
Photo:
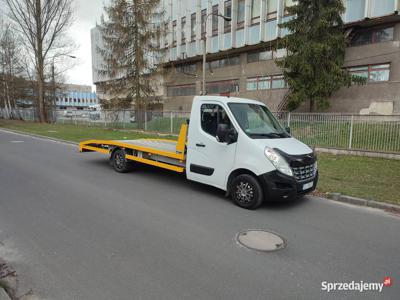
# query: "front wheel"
246,191
119,162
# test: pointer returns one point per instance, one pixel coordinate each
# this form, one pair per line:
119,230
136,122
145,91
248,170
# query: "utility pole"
228,19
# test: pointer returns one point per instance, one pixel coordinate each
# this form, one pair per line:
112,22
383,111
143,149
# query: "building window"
183,30
181,90
265,55
288,3
380,8
372,36
193,26
224,62
355,10
166,35
186,68
280,53
373,73
266,83
203,23
272,8
222,87
240,13
227,13
255,11
174,33
214,24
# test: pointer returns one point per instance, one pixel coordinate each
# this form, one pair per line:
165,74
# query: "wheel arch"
235,173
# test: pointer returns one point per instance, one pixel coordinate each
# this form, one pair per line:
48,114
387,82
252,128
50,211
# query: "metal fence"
340,131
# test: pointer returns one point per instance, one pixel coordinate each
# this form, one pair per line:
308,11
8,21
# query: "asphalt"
75,229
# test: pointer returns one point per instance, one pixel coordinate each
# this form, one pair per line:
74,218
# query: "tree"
316,46
42,24
12,85
130,34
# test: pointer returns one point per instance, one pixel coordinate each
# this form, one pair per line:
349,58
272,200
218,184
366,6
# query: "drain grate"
261,240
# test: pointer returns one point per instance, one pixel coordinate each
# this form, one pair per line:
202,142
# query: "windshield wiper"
269,135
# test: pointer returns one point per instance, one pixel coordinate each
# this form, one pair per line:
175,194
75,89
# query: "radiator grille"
304,172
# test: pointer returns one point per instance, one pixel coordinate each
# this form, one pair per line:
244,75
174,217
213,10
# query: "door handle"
200,145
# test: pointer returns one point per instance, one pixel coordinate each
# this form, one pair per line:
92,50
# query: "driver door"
210,161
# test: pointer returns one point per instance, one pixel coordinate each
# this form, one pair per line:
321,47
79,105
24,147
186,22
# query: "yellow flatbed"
163,153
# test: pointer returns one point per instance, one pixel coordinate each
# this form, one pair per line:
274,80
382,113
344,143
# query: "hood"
290,146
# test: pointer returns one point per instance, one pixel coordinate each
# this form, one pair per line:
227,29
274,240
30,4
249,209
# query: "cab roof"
226,100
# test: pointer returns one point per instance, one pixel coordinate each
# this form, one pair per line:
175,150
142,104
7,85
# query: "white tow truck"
234,144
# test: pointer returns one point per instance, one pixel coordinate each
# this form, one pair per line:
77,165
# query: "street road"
75,229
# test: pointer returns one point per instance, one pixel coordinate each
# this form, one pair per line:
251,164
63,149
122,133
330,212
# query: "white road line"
39,138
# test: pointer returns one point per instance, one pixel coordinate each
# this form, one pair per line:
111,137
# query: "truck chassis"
162,153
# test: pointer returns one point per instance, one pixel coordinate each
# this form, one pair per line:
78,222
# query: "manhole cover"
261,240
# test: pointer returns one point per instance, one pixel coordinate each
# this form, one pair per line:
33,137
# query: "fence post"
172,120
145,120
351,131
288,119
123,119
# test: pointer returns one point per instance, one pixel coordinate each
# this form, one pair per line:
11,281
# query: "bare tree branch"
42,25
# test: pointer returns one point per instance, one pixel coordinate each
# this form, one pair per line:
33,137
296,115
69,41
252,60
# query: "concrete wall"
356,98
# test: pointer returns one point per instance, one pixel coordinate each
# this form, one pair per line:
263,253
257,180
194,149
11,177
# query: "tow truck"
234,144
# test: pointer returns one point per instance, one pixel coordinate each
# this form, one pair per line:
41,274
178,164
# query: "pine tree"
130,33
316,47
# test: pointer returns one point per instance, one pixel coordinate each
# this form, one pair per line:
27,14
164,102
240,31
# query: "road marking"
43,138
16,141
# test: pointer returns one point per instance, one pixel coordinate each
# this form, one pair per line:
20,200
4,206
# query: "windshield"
257,121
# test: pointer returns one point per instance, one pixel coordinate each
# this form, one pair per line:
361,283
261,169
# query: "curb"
362,153
362,202
39,136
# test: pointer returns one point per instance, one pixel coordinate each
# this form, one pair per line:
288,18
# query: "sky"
87,12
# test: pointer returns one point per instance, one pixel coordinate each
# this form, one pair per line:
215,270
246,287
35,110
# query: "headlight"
278,161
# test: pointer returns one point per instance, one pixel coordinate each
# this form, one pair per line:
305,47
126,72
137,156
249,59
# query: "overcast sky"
87,12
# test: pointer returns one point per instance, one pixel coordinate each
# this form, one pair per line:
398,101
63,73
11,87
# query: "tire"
119,162
246,191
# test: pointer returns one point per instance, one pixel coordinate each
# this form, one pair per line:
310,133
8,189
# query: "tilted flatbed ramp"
163,153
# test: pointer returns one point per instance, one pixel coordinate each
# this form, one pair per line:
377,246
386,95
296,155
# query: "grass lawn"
72,132
364,177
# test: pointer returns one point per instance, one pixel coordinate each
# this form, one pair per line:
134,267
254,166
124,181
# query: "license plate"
308,186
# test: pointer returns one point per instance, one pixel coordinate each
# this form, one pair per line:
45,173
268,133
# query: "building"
79,97
241,53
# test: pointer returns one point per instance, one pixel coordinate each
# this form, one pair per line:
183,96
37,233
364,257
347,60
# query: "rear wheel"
119,162
246,191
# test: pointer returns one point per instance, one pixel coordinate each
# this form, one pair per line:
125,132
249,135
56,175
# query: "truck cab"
237,145
234,144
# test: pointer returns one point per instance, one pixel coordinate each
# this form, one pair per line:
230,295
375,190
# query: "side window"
211,116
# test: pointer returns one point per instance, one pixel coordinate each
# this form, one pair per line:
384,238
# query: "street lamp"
54,80
228,19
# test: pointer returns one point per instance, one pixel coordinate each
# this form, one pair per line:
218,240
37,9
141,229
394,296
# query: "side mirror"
222,133
225,134
287,128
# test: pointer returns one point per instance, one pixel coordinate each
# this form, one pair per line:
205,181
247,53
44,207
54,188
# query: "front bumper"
278,186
